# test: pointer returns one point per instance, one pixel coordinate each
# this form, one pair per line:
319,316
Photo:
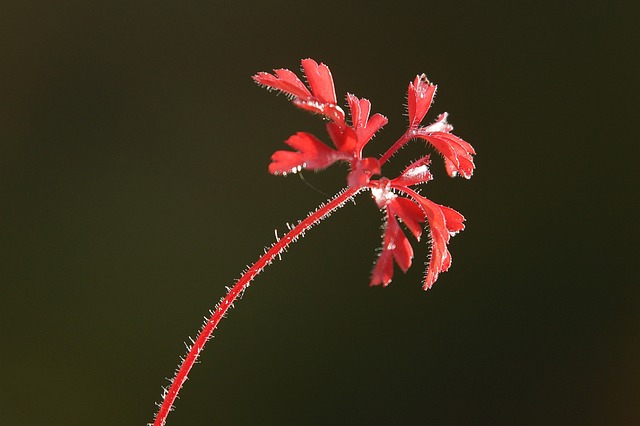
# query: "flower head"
396,197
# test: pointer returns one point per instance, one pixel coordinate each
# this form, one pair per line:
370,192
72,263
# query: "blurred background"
134,188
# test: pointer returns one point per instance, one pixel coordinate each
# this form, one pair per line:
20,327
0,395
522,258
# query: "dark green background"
133,188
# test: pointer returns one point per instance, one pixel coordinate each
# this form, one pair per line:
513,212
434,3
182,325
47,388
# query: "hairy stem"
408,135
169,396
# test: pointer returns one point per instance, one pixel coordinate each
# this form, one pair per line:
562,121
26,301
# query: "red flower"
400,203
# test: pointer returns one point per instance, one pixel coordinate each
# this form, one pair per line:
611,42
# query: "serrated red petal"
399,244
362,170
375,123
454,221
329,110
409,213
321,99
394,241
310,153
364,126
443,223
416,173
345,138
360,109
285,81
320,81
383,271
440,259
419,98
396,246
458,159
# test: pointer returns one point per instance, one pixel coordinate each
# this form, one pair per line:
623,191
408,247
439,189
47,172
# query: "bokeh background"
133,189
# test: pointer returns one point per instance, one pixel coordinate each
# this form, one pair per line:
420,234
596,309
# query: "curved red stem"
406,137
276,249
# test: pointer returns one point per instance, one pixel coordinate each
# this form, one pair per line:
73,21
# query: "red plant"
395,197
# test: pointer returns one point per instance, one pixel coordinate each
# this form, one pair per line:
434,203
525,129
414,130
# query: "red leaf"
457,159
331,111
453,220
440,258
395,244
458,154
417,173
401,248
443,223
362,170
419,98
320,80
345,138
364,127
383,271
311,154
322,97
409,213
284,81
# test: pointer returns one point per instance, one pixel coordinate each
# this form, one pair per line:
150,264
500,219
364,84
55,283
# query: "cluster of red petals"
349,140
395,197
458,154
444,222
